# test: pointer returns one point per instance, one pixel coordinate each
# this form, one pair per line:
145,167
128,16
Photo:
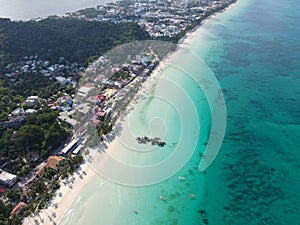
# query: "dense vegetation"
42,133
75,40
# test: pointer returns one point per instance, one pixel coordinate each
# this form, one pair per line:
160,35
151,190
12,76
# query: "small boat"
163,198
135,211
181,178
192,196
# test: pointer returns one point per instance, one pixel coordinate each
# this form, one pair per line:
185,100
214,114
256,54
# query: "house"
18,112
2,189
13,123
108,93
32,101
137,69
9,165
67,102
96,121
86,91
41,170
99,99
3,160
53,161
30,111
18,208
7,179
62,80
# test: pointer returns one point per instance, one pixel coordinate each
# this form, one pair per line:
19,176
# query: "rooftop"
18,208
53,161
6,176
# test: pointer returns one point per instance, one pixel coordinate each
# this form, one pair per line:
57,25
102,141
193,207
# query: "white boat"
192,196
181,178
163,198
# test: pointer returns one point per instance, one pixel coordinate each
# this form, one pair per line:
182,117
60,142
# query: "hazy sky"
27,9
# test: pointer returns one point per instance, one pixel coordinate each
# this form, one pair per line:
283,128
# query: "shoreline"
65,196
192,31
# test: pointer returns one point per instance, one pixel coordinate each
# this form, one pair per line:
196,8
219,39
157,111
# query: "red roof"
96,121
2,189
102,113
100,97
88,85
18,208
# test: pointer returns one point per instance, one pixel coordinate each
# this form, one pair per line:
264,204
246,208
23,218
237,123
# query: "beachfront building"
70,147
7,179
53,161
77,150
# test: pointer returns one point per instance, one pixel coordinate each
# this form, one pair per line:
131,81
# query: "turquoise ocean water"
254,50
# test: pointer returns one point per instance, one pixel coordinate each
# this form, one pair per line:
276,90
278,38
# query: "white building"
70,147
18,112
30,111
32,101
7,179
86,91
62,81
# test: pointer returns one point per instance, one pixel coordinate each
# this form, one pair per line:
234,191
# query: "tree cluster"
73,39
41,133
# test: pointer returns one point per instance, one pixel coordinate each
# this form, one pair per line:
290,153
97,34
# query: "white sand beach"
72,186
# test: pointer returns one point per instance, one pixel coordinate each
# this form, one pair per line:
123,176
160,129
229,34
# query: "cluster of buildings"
97,98
63,71
114,84
15,120
159,18
17,117
8,180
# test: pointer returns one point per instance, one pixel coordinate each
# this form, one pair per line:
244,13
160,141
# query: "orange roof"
53,161
41,171
18,208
